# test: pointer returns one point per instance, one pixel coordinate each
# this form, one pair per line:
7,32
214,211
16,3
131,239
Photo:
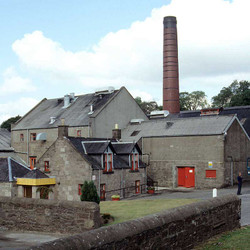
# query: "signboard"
93,178
210,164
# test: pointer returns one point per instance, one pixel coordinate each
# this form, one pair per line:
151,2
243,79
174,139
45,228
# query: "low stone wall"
179,228
68,217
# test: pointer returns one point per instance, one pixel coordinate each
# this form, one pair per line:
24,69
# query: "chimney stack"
170,66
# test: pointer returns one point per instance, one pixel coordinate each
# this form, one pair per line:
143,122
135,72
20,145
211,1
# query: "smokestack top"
169,22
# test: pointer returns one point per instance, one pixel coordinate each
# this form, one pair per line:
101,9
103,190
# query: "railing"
128,191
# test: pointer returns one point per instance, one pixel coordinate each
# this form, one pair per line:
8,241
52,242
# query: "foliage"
44,191
237,239
115,196
89,192
193,101
147,107
236,94
132,209
7,124
151,188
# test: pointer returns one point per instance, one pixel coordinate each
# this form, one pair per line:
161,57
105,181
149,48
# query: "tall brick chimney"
170,66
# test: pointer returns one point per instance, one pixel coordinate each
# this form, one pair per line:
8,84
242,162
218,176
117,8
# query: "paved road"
181,193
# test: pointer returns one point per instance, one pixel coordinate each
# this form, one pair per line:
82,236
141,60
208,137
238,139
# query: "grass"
128,210
237,239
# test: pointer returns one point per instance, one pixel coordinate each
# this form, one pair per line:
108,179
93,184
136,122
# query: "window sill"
108,172
134,171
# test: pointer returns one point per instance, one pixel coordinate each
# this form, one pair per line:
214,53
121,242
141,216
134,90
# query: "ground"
11,240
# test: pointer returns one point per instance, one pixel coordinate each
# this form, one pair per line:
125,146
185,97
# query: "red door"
186,177
102,192
190,180
181,177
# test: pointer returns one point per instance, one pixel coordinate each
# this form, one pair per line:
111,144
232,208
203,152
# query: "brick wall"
66,217
179,228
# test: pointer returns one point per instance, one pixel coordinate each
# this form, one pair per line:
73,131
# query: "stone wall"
6,188
179,228
65,217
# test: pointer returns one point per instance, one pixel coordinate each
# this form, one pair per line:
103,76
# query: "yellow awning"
36,182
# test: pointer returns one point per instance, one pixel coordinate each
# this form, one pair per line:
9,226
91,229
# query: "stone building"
90,115
200,152
115,168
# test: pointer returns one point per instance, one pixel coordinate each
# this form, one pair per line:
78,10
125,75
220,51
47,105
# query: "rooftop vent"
52,119
159,114
69,99
136,121
104,91
91,109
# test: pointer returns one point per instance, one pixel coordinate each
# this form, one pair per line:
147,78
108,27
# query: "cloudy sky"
51,48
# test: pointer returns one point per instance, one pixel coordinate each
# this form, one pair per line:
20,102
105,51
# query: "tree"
89,192
236,94
147,107
193,101
7,124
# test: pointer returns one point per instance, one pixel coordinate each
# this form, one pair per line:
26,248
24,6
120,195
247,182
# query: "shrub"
89,192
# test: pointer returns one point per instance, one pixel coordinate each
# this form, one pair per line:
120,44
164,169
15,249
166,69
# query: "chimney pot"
62,131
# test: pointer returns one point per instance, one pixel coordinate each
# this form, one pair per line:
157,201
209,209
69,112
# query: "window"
134,161
79,133
27,191
102,192
80,189
32,136
108,162
210,173
32,162
46,166
21,137
137,187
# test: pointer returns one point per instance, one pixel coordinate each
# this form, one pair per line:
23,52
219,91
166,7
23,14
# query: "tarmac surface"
19,240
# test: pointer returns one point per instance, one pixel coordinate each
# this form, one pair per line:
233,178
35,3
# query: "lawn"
237,239
128,210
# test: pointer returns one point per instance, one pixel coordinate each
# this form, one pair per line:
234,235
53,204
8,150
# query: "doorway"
186,177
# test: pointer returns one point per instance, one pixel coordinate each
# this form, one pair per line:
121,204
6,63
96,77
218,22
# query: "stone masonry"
65,217
178,228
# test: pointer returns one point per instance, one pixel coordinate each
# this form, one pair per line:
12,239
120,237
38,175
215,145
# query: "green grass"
128,210
238,239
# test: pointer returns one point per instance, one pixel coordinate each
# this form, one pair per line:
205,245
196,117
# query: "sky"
51,48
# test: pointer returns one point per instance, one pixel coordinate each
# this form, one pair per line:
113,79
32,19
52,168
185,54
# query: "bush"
89,192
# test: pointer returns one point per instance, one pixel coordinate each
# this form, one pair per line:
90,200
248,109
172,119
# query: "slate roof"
5,140
10,169
125,147
93,155
242,112
204,125
35,174
77,114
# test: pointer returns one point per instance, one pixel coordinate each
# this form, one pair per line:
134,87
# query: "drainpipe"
99,183
232,169
28,148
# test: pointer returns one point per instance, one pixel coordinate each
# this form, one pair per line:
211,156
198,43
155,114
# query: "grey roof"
5,140
205,125
10,169
35,174
96,149
77,114
242,112
125,147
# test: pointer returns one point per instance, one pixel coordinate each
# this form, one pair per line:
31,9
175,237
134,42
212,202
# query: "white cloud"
14,108
213,49
12,83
